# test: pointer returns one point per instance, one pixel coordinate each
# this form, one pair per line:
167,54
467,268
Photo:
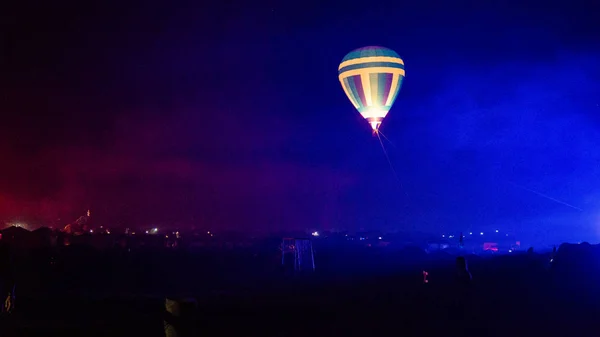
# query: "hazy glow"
374,112
457,134
375,125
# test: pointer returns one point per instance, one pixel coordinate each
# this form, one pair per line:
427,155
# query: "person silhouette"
6,277
462,292
463,275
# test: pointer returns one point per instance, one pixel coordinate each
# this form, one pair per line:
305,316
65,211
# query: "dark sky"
231,115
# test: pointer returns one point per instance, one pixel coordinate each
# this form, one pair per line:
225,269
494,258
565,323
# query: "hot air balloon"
371,78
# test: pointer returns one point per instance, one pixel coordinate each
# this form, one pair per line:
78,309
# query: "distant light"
380,238
91,230
154,230
443,235
506,234
496,231
510,250
451,236
208,232
481,233
147,232
315,233
470,233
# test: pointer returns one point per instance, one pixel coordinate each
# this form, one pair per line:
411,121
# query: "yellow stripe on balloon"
365,80
393,89
366,71
371,59
374,83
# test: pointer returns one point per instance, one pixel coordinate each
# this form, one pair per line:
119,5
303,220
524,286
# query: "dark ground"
511,296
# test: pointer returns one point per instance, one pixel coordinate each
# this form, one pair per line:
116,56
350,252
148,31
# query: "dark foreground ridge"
518,295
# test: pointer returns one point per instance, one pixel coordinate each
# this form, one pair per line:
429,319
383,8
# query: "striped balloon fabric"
371,78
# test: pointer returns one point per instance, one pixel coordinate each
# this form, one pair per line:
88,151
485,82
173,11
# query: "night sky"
231,116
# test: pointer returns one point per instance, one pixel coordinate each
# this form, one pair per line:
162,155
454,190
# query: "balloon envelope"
371,78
